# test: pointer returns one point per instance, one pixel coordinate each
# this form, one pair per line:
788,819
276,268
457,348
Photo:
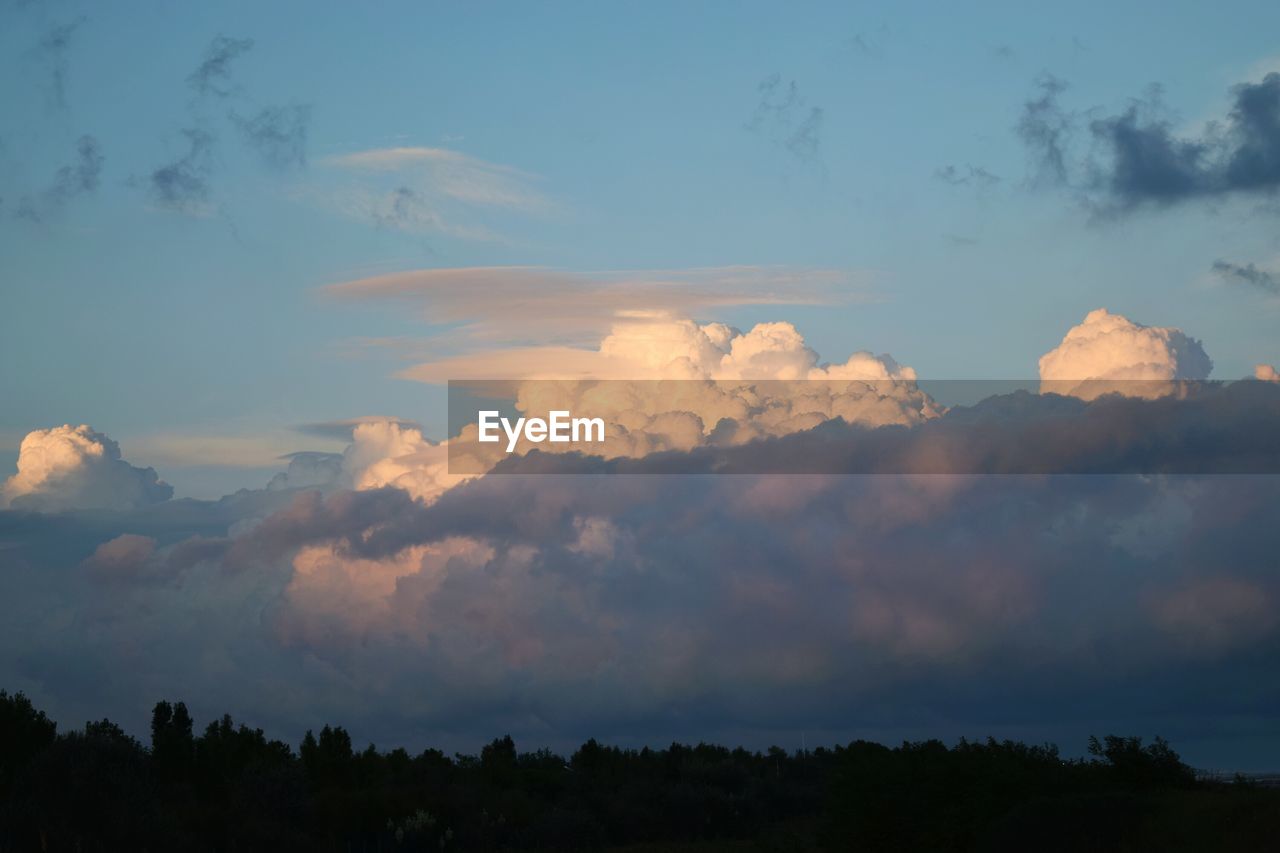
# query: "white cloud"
68,467
1108,353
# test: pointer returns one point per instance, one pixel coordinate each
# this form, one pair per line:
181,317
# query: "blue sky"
633,126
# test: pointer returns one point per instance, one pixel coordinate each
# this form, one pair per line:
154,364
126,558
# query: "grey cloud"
1046,129
1249,274
1139,160
75,179
557,607
183,184
277,134
404,208
969,175
213,76
783,115
53,50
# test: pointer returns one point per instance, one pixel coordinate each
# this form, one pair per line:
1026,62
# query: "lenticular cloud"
66,467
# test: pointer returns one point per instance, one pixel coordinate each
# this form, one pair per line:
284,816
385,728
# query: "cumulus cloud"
1266,373
68,467
1108,353
653,607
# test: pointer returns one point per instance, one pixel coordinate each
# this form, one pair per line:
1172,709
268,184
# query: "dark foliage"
232,788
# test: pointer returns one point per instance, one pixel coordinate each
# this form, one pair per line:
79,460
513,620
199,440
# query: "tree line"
231,788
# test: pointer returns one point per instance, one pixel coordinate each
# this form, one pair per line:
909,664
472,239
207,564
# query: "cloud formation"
1139,160
277,134
182,185
66,467
53,49
69,182
213,75
969,175
559,607
421,190
1249,274
784,117
511,305
1108,353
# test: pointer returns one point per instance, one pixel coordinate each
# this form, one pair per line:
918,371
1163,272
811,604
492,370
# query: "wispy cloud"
421,190
490,316
52,52
785,117
1249,274
182,185
277,134
213,75
75,179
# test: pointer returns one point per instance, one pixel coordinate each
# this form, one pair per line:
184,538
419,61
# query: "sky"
238,232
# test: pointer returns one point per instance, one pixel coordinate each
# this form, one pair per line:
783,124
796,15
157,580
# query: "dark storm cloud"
183,184
1140,160
53,50
69,182
213,76
277,134
1249,274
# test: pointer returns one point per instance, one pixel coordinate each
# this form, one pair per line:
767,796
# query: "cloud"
342,430
53,49
1266,373
68,467
69,182
307,470
1046,129
736,607
125,555
1139,160
515,305
1108,353
783,116
213,75
277,134
182,185
422,190
969,175
1249,274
